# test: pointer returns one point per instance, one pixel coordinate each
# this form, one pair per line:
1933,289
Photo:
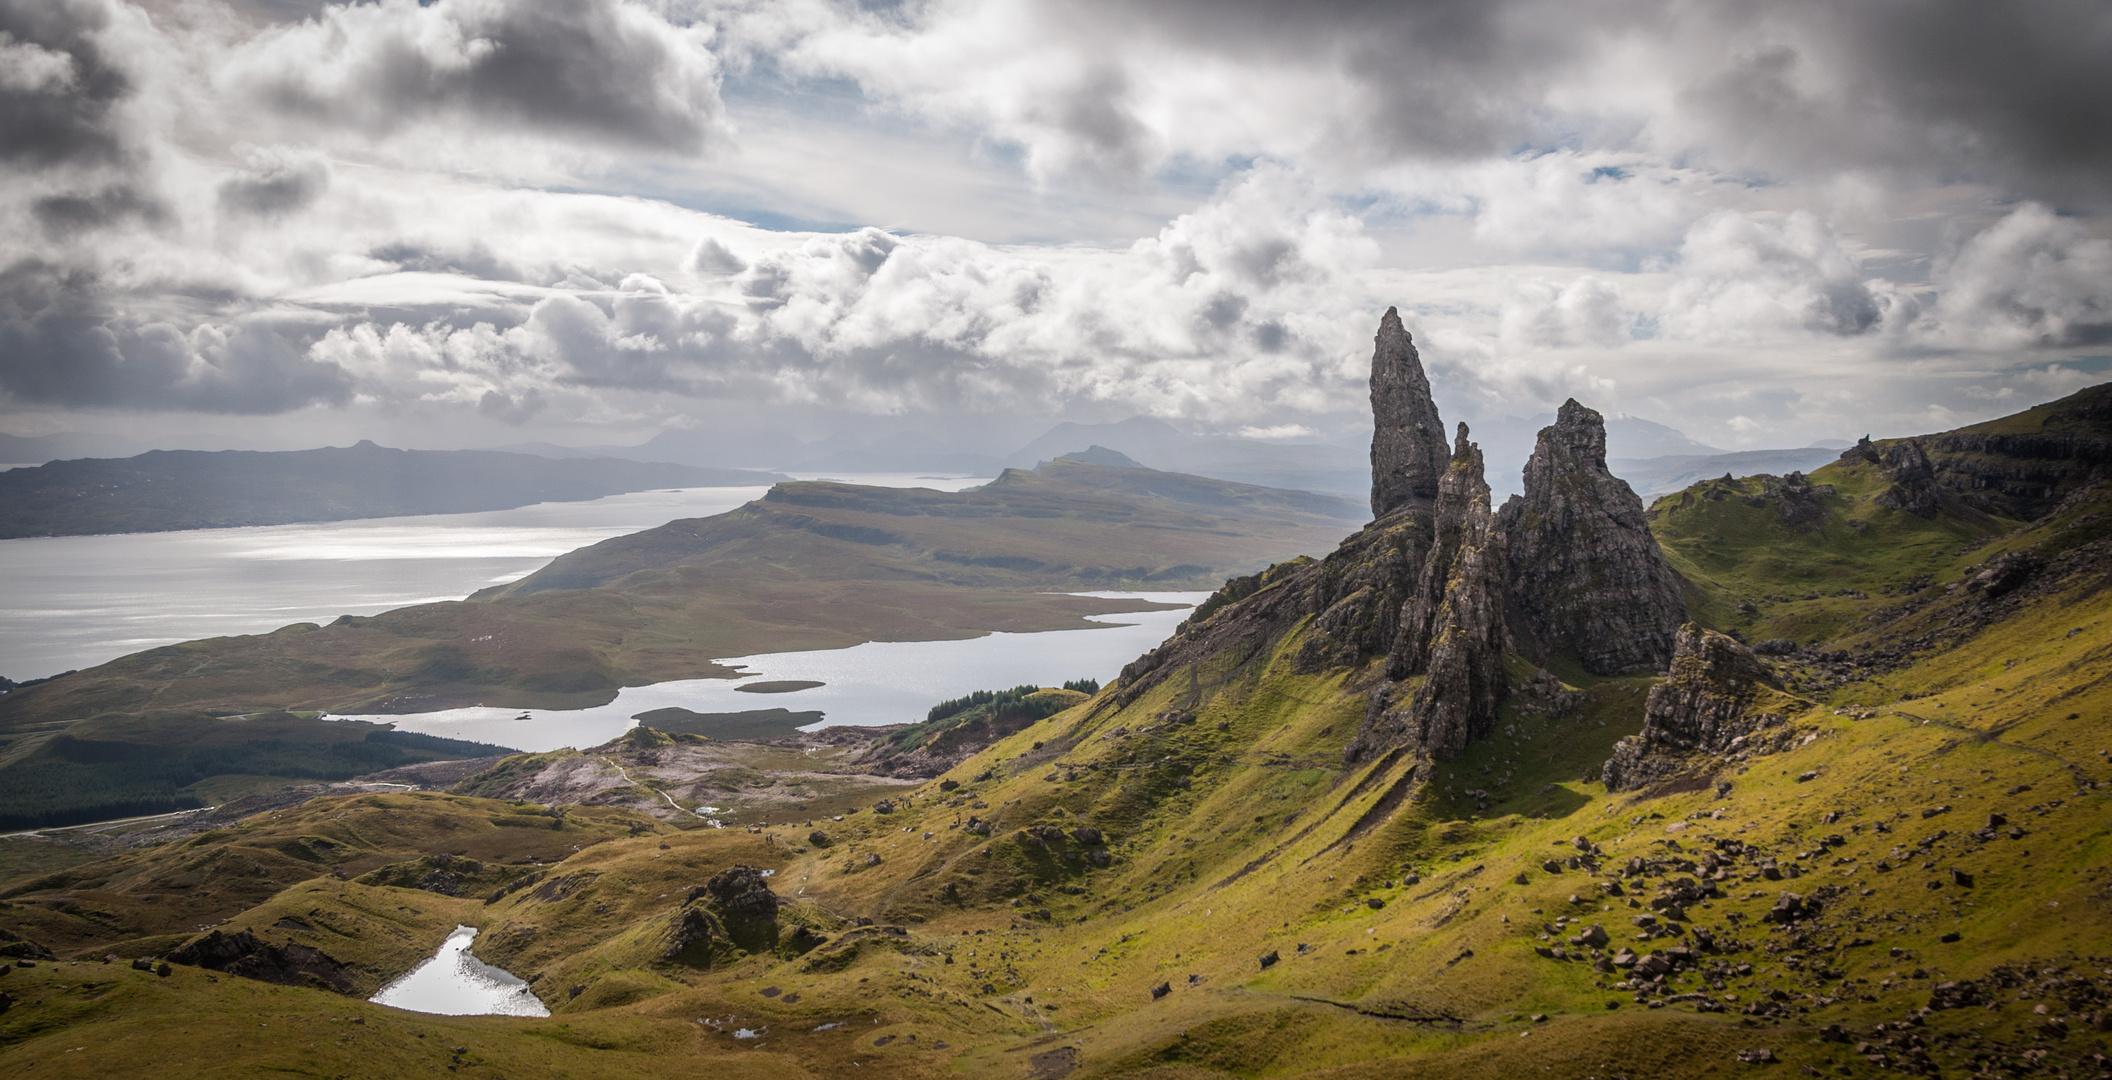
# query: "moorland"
1833,803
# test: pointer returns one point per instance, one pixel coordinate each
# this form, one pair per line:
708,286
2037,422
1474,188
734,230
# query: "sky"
275,223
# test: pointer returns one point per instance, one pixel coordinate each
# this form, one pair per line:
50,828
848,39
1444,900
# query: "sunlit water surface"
454,983
77,601
879,682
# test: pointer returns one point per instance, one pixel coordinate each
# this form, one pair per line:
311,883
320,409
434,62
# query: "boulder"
2002,574
690,938
1702,707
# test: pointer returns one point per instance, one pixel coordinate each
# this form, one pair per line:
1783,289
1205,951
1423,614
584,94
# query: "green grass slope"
1912,873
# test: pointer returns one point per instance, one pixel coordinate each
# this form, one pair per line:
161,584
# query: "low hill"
165,490
1070,523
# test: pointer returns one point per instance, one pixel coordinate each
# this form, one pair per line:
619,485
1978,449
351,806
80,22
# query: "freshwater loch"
454,983
879,682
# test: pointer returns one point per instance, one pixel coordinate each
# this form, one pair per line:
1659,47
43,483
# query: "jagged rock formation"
1408,451
1704,706
1584,570
1451,629
1800,502
1434,583
1913,479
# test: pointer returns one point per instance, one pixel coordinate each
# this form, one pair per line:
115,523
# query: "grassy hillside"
1911,872
1408,935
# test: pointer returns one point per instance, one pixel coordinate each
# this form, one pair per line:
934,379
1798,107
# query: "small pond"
454,983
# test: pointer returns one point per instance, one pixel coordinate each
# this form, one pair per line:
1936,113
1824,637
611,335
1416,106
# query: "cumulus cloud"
612,73
1742,277
67,341
58,86
504,209
1542,314
275,182
2033,278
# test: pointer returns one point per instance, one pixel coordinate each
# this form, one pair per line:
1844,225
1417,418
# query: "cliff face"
1584,570
1408,452
1704,706
1913,479
1451,630
1432,585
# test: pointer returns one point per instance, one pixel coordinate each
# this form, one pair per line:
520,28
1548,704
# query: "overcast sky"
473,222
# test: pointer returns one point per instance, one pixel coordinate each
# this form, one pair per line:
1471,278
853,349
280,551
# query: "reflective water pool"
454,983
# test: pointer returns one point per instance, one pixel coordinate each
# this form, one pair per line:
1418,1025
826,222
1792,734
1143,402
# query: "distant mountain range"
1652,457
165,490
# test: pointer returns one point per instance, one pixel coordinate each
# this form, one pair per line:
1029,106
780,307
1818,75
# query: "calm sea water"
879,682
454,983
77,601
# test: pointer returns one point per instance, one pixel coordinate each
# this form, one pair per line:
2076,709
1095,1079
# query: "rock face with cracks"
1913,479
1584,571
1451,630
1704,706
1439,585
1408,452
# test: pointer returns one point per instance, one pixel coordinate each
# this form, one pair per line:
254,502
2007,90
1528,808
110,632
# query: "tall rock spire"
1408,451
1585,572
1451,630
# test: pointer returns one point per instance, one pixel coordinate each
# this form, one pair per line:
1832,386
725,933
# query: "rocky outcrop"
1587,577
243,953
1913,477
1704,706
692,938
1408,451
1451,630
1801,503
742,909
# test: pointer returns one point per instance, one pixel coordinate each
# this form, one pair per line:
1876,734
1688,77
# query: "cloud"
1743,277
64,340
608,73
58,87
275,182
2033,278
1542,314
